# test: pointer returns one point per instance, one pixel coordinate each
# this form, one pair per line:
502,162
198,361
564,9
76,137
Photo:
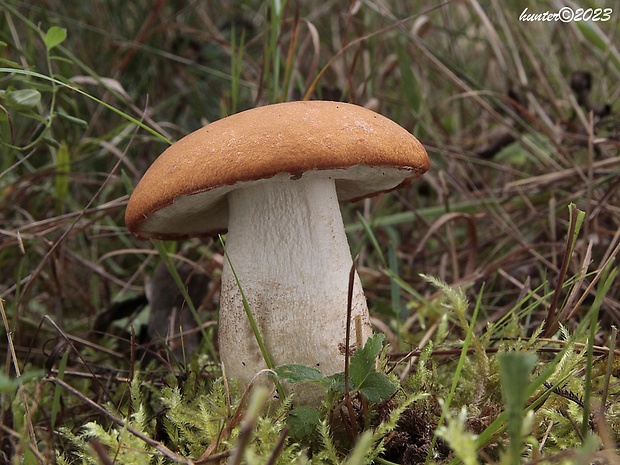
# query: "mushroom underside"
184,215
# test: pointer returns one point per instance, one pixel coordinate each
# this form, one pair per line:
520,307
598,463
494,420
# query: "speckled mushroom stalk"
288,247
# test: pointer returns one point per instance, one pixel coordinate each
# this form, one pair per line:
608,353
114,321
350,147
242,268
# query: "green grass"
499,252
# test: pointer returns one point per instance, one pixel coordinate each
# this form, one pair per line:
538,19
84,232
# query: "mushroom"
272,177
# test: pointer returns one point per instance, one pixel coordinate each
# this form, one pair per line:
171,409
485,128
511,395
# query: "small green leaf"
23,99
363,360
515,369
334,383
304,422
54,37
373,345
293,373
377,387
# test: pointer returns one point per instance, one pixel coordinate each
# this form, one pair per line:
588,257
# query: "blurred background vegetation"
520,120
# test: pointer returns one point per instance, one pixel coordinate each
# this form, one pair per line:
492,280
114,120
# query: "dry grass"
515,135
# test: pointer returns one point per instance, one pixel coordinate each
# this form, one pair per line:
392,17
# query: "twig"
257,401
347,341
402,356
101,452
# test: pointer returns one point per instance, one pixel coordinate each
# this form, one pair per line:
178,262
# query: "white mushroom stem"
287,245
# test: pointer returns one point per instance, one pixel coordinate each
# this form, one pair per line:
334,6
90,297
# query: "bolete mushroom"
272,177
